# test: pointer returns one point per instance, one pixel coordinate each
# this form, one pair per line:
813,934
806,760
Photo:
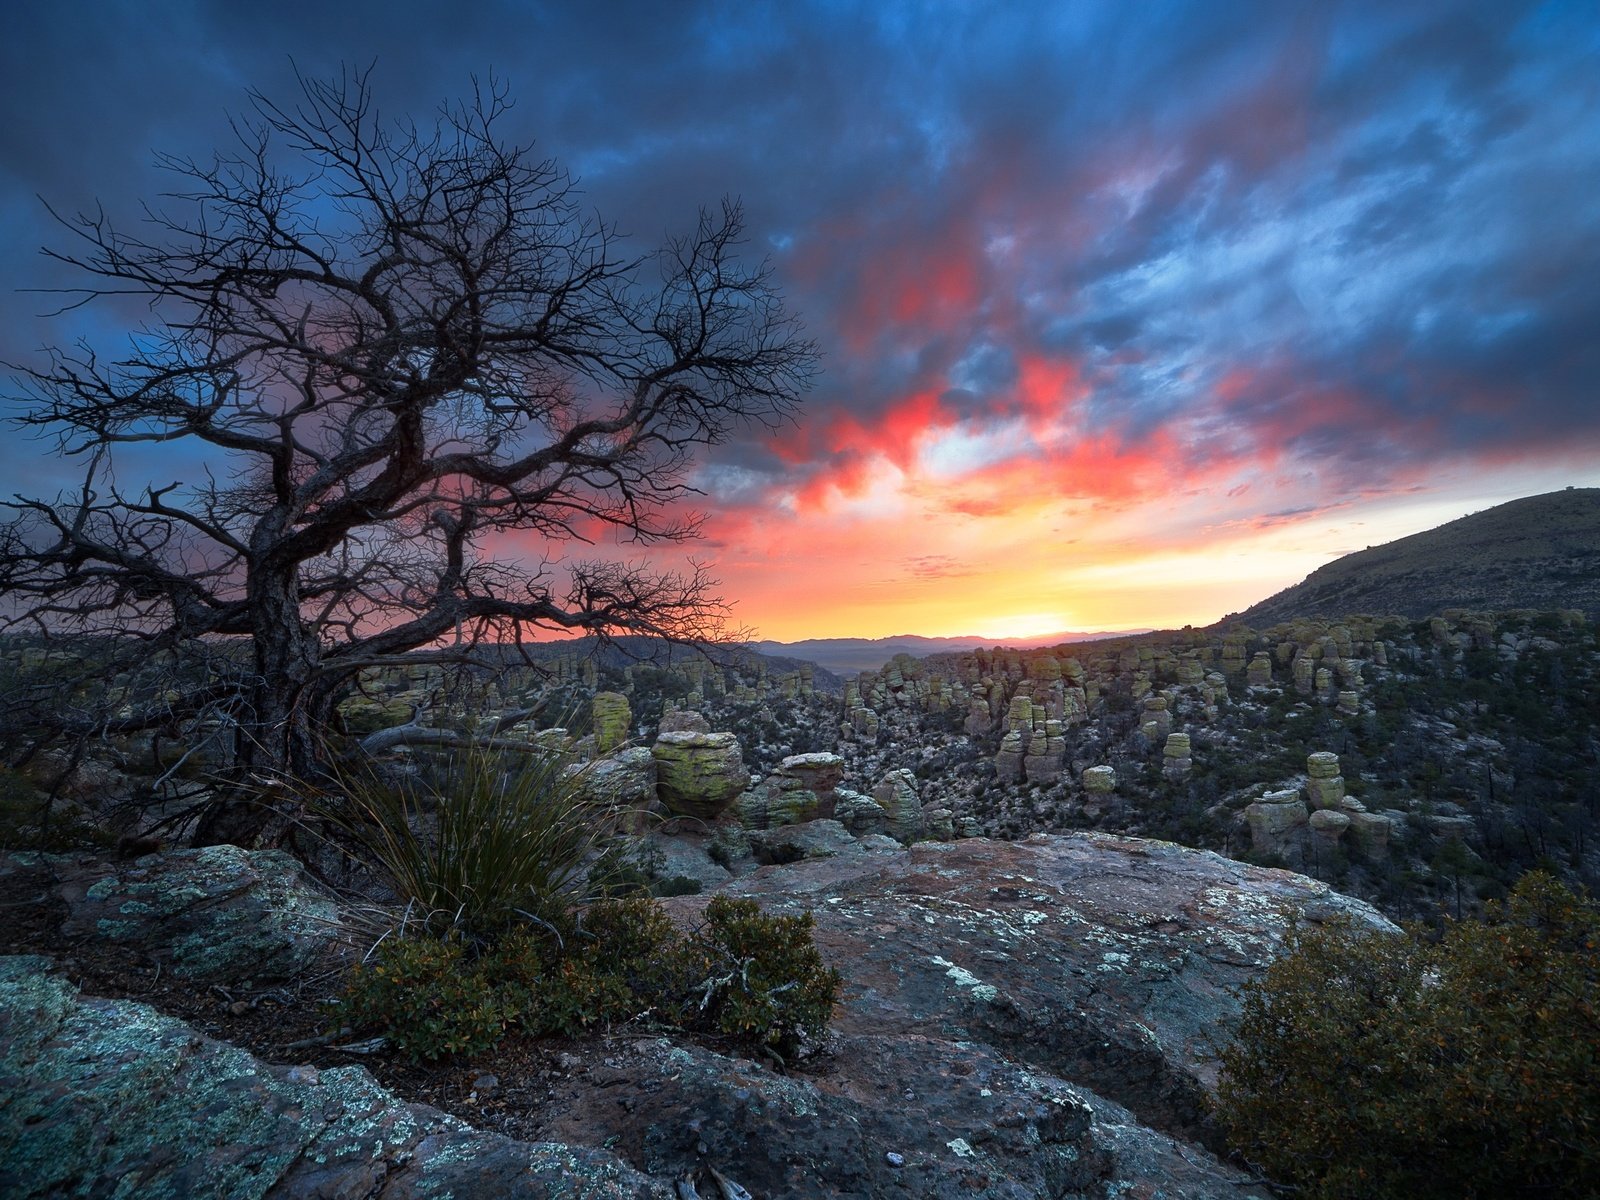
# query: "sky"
1130,313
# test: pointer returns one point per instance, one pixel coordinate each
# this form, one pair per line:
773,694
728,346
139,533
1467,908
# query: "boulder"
861,815
938,824
698,774
214,914
1370,832
817,772
1101,780
626,779
1273,821
683,720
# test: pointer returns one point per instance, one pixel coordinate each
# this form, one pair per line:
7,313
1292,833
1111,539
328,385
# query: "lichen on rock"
213,914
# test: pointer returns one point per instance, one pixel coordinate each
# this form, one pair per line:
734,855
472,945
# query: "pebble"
894,1159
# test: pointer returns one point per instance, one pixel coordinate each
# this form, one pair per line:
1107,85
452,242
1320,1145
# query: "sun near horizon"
885,578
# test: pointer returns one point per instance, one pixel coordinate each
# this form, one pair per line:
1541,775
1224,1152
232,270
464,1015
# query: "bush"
482,852
1385,1066
616,967
758,978
755,978
429,998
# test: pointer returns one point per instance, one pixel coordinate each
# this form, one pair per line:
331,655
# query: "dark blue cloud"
1392,202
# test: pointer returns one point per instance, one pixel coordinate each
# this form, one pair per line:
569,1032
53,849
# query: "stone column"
1324,784
611,718
1175,757
1328,826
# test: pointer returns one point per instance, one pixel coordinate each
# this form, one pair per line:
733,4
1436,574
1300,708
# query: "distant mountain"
850,656
1540,552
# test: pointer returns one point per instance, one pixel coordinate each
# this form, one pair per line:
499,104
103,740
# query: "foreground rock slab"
1110,963
1020,1019
109,1097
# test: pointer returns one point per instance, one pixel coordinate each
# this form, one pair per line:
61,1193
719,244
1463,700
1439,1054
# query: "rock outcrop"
1274,821
989,984
1324,784
803,788
896,794
626,779
1176,756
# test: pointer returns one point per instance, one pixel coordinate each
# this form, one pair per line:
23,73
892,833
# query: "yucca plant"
485,846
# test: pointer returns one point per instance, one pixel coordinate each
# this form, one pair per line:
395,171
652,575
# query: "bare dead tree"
389,344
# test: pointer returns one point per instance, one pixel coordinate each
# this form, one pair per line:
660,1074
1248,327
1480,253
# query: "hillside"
1540,552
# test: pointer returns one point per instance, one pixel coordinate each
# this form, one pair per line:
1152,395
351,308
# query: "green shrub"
617,966
429,998
755,978
758,978
1381,1066
495,844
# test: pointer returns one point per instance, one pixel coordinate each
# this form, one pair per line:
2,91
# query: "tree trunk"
280,729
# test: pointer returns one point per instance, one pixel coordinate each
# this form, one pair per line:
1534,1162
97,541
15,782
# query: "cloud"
1151,269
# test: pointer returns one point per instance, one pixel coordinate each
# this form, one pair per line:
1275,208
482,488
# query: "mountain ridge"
848,656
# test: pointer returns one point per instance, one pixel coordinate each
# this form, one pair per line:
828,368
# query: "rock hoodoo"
698,774
1176,759
1324,784
612,719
